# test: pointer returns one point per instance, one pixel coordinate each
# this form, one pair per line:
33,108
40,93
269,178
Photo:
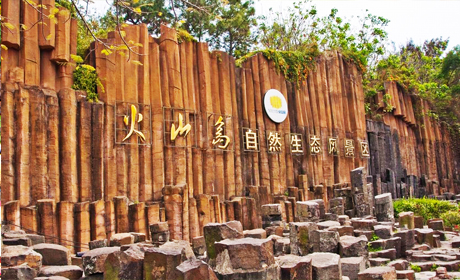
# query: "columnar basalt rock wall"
68,173
411,154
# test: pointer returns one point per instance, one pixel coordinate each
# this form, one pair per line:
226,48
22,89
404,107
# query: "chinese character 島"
220,138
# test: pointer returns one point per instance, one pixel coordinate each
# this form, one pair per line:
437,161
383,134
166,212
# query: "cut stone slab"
255,233
282,246
436,224
399,264
350,246
71,272
53,254
295,267
52,278
271,210
383,231
300,235
94,260
24,241
384,207
195,270
342,230
215,232
125,264
405,274
120,239
180,245
326,266
20,272
378,261
98,244
35,238
327,224
17,255
407,240
352,266
387,253
381,273
199,245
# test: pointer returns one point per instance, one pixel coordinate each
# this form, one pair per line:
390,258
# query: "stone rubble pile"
315,246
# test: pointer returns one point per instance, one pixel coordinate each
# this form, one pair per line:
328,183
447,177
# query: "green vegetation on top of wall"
424,207
85,78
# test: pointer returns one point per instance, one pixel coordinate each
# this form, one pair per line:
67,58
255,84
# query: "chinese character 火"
181,129
220,138
365,149
274,144
131,121
296,143
315,145
349,148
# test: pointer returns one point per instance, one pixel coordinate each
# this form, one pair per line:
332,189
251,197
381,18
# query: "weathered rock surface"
352,266
161,262
350,246
17,255
94,260
53,254
125,264
324,241
295,267
119,239
214,232
382,273
71,272
195,270
300,235
326,266
19,272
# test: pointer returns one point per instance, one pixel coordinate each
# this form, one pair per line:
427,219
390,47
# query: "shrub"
415,268
451,218
85,78
424,207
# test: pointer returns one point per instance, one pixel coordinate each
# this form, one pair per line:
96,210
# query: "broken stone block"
336,206
295,267
326,266
159,233
418,222
17,255
383,273
342,230
384,208
350,246
387,254
195,270
425,236
24,241
322,208
199,245
383,231
244,258
214,232
367,233
160,263
119,239
255,233
395,243
331,217
125,264
138,237
97,244
181,245
56,278
436,224
352,266
19,272
399,264
282,246
71,272
300,237
35,238
271,210
307,211
405,274
378,261
407,240
406,219
274,230
344,220
94,260
324,241
363,224
327,224
53,254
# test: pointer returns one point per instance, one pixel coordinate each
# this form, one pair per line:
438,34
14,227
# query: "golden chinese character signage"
333,146
296,143
315,145
132,121
250,140
220,140
349,147
179,127
365,149
275,106
273,142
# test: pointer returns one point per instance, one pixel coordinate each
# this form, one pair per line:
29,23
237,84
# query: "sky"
416,20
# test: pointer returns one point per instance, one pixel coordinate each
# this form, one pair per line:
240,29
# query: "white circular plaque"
275,105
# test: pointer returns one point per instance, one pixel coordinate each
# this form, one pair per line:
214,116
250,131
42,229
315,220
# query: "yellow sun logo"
275,101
